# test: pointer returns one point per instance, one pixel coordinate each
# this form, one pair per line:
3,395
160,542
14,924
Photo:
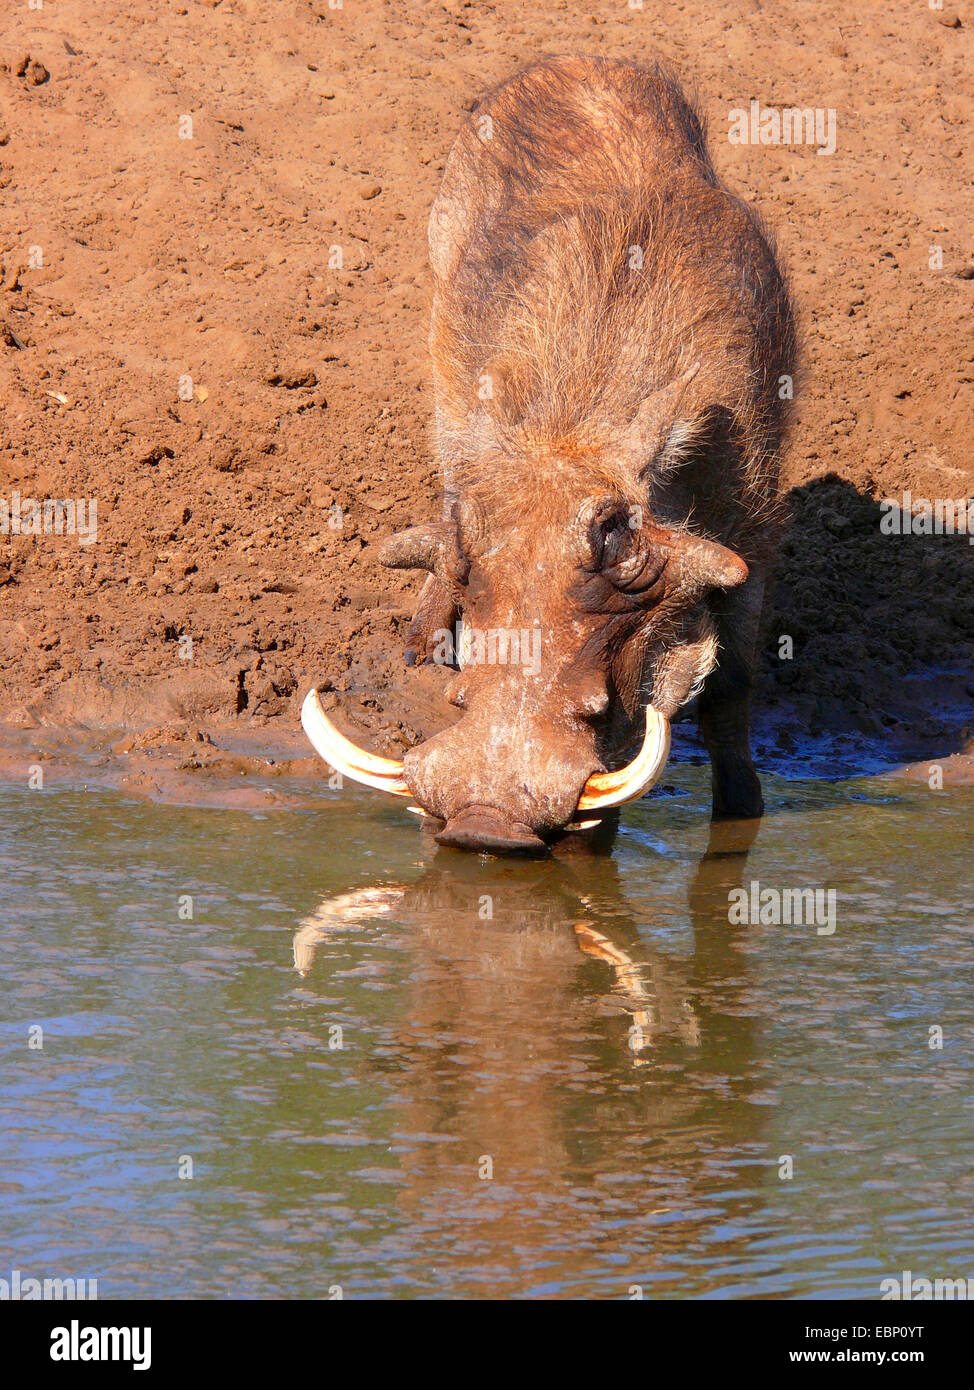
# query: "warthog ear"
433,546
645,437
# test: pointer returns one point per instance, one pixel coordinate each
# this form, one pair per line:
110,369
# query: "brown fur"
609,328
530,241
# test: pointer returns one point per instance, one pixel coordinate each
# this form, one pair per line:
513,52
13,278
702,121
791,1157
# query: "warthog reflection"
502,924
554,1040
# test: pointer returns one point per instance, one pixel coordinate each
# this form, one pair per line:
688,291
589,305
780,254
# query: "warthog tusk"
385,774
629,782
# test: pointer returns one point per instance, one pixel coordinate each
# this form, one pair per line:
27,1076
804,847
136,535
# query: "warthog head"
584,628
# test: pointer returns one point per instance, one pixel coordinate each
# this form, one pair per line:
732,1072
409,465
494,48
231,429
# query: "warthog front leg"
724,706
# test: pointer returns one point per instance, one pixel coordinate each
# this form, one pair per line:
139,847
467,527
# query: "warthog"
613,351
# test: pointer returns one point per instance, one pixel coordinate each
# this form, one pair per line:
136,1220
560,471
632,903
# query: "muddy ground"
212,321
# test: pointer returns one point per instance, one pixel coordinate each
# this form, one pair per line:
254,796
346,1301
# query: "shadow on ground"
882,628
881,663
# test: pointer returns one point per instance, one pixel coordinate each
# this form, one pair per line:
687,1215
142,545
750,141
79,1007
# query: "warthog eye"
620,551
615,542
631,561
605,524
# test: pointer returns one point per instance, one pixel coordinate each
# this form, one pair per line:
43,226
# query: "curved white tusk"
385,774
614,788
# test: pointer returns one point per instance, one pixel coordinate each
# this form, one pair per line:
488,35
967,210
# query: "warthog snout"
502,786
487,830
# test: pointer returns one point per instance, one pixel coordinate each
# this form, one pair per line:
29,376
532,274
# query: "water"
595,1087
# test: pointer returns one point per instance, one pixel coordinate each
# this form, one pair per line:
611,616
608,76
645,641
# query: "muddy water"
404,1072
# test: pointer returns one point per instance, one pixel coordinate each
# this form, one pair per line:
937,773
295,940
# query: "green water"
507,1113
